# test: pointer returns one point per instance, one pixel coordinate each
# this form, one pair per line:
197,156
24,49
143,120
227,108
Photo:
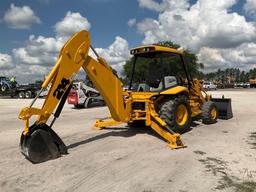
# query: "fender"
174,90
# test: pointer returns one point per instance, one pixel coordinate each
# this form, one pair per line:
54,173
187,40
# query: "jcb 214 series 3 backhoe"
166,98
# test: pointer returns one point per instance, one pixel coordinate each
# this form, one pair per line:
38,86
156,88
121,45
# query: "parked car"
209,85
237,85
246,85
242,85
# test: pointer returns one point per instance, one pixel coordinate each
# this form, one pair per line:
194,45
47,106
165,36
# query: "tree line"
194,67
235,74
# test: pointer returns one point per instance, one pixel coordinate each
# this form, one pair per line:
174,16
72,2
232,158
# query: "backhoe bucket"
224,107
41,143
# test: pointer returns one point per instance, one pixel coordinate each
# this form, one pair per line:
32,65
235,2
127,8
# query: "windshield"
157,71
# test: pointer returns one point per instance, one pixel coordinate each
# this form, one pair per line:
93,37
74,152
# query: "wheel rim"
21,95
213,113
182,115
3,88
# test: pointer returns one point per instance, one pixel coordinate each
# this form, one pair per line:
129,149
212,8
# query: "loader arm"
73,57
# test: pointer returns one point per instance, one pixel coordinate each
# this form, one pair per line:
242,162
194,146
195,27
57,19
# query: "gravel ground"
219,157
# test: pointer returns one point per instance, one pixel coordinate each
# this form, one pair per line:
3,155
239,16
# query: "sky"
221,32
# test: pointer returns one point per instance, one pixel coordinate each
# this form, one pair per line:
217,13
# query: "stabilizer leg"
159,126
100,124
174,140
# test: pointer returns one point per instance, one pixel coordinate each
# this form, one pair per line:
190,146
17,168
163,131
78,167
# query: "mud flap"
224,107
41,144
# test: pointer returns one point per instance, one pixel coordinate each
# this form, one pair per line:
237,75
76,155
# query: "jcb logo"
61,88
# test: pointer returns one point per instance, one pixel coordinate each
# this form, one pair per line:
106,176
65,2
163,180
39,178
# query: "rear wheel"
21,95
28,94
177,114
88,104
209,113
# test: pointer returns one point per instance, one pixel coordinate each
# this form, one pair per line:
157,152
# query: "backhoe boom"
73,56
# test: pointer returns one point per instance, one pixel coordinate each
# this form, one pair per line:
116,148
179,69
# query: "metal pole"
133,71
38,94
94,51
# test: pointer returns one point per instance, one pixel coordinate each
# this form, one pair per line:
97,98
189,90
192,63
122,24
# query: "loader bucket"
224,107
41,143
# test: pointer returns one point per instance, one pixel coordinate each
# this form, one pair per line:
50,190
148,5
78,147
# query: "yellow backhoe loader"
166,97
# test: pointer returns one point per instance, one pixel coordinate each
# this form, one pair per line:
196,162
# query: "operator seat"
143,87
170,81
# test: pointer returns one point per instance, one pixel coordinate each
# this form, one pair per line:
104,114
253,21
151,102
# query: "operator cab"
157,68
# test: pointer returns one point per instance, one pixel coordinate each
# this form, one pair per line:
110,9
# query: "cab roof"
154,48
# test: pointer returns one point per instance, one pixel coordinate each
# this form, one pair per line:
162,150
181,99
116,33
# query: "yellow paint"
155,48
175,90
213,113
182,115
100,124
74,56
110,88
157,125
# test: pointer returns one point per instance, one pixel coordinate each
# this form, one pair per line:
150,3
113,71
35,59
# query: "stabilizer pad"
41,144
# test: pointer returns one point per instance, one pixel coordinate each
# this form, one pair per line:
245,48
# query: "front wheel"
209,113
4,88
176,113
78,106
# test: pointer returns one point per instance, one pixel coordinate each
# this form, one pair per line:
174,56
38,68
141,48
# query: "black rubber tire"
206,113
168,112
28,94
4,88
102,103
89,103
90,84
78,106
21,95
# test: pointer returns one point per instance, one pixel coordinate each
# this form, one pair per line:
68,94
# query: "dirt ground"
219,157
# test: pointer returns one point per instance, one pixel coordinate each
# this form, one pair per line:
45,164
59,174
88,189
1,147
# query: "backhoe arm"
73,56
110,88
69,62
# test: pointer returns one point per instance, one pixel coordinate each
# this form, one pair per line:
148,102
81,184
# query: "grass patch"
199,152
252,138
214,165
253,135
219,168
237,185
